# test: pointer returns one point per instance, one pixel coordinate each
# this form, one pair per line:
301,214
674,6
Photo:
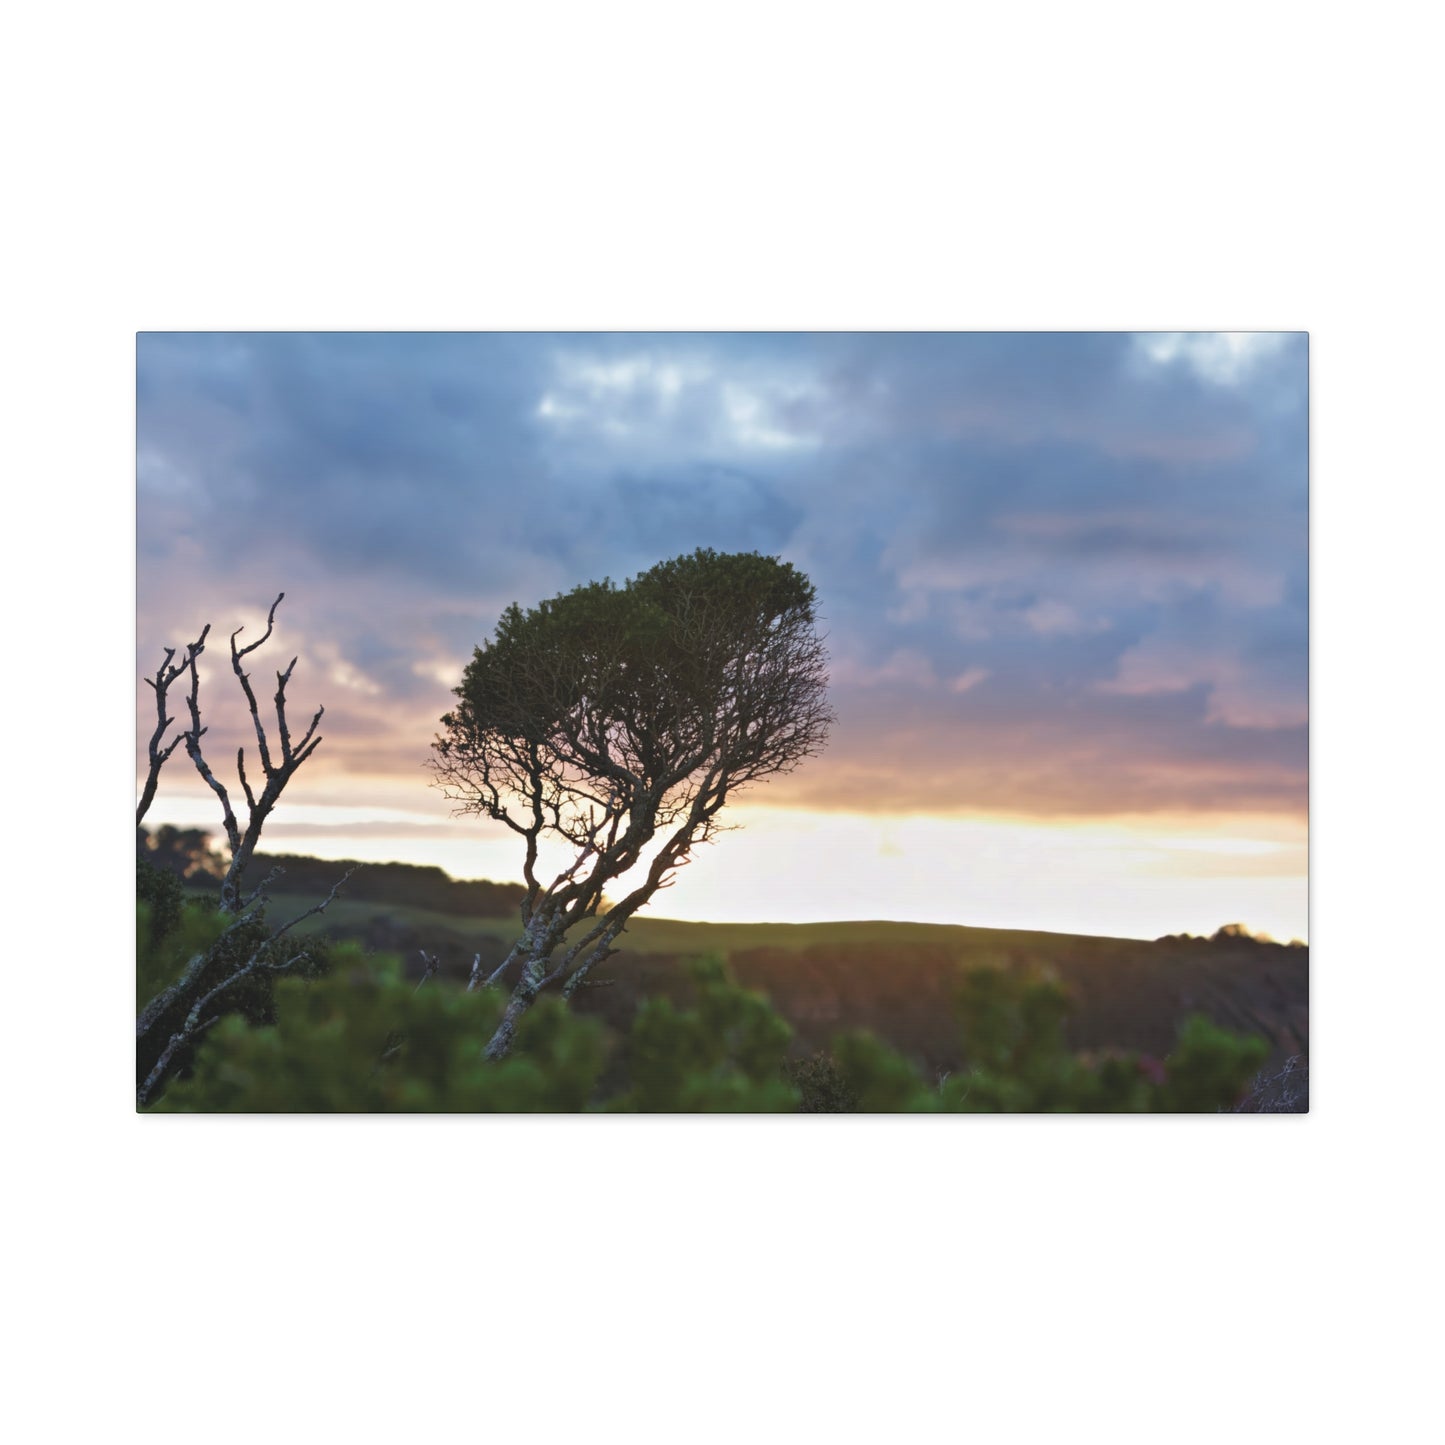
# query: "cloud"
648,400
1059,573
1225,358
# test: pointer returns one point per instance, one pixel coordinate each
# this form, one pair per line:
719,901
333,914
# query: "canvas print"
722,722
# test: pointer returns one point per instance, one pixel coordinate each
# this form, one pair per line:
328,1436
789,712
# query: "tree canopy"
619,718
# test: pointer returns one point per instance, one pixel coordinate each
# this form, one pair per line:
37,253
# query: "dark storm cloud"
379,453
1061,573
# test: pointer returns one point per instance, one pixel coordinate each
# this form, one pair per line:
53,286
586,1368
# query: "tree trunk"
523,997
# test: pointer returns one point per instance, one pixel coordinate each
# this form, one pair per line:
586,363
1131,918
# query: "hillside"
897,979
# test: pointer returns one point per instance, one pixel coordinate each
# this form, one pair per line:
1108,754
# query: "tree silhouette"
620,720
235,965
186,852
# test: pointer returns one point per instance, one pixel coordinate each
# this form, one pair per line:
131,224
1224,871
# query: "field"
896,979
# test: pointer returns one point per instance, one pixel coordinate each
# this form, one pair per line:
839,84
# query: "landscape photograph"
722,722
775,692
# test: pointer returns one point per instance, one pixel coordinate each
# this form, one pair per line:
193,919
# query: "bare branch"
168,996
260,804
430,964
497,972
316,908
270,623
193,747
258,892
197,1020
160,684
390,1048
245,786
245,680
198,978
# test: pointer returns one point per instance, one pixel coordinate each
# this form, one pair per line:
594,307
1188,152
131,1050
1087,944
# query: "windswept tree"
618,721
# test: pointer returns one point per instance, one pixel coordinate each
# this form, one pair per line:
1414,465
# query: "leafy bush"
1018,1062
821,1085
723,1055
362,1039
158,891
186,949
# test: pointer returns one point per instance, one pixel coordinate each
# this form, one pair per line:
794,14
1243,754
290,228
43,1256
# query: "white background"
1043,166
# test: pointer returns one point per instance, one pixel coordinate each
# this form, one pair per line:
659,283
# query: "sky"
1063,579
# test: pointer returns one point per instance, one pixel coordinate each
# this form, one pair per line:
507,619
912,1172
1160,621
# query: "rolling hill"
895,978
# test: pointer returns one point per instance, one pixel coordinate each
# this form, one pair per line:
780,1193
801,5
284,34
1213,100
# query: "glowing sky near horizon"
1063,579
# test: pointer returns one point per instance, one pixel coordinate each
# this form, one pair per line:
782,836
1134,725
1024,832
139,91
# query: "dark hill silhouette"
1128,993
897,979
408,885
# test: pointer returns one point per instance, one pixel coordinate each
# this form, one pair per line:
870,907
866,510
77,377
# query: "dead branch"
193,737
277,773
258,892
430,963
197,1023
197,1019
316,907
197,990
160,684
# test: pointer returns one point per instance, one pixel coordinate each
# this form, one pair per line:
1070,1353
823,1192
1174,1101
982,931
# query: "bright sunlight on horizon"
1063,581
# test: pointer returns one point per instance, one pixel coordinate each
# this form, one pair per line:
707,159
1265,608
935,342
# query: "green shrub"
822,1086
723,1055
364,1041
158,890
184,953
1017,1061
361,1039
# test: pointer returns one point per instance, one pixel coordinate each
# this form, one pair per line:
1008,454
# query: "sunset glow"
1063,578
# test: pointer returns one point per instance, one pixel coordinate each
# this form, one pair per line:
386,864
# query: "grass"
674,936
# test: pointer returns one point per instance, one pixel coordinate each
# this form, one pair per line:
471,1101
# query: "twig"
160,685
430,964
317,907
263,885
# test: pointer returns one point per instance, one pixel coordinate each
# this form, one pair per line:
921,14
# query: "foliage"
169,932
186,852
159,890
361,1040
1209,1070
822,1086
1231,933
408,884
723,1055
619,721
688,681
1018,1062
188,953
